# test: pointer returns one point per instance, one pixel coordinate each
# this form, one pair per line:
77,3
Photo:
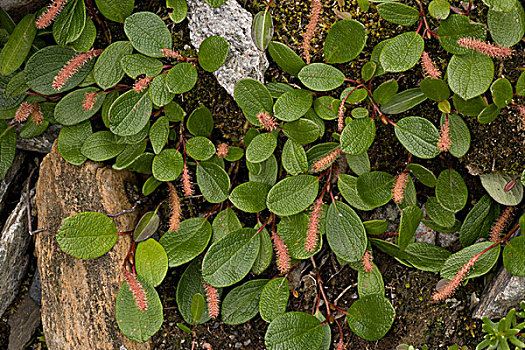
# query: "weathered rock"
23,323
18,8
42,143
11,181
35,290
78,297
234,24
14,241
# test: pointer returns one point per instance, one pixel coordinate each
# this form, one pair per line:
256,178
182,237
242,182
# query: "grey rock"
449,240
35,291
425,234
42,143
23,324
390,213
233,23
11,181
18,8
14,258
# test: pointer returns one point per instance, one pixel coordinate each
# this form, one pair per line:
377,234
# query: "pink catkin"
456,281
89,100
485,48
521,110
222,150
340,345
313,226
141,84
341,117
500,224
281,250
444,141
310,30
398,189
186,181
50,14
367,261
266,120
175,208
168,53
326,161
138,291
23,112
212,297
429,68
37,115
72,67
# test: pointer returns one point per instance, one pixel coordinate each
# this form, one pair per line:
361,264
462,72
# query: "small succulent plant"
506,330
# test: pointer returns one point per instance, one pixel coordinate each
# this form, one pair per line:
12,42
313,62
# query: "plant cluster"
298,135
506,330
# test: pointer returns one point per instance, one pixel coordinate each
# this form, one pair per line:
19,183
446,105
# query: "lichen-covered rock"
42,143
233,23
78,297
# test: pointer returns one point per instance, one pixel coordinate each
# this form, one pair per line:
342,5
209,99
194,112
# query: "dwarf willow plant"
131,85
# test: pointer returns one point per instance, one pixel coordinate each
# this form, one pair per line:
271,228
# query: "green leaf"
148,33
17,48
470,107
187,242
451,190
439,9
293,104
403,101
321,77
357,136
262,29
470,75
489,114
481,267
359,164
213,52
267,171
87,235
368,70
419,136
398,13
253,97
456,27
371,317
158,134
179,10
435,89
501,92
347,185
261,148
44,65
345,232
175,113
181,78
213,182
151,261
385,92
70,141
507,29
294,330
250,196
274,298
439,214
130,155
500,5
514,256
17,85
375,188
326,107
215,3
357,95
320,151
190,283
147,226
138,64
345,40
459,135
286,58
301,131
130,113
471,228
200,148
167,165
402,52
294,158
200,122
375,227
292,195
410,219
116,10
370,283
495,184
101,146
421,173
293,231
241,304
225,222
277,89
70,23
264,256
426,257
134,323
229,260
70,109
86,40
197,307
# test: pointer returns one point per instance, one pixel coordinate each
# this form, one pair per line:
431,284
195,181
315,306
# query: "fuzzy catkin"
281,250
50,14
186,181
429,68
89,100
310,30
398,189
367,261
313,226
485,48
212,298
72,67
175,208
326,161
444,142
222,150
138,291
266,120
500,224
141,84
23,112
454,283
